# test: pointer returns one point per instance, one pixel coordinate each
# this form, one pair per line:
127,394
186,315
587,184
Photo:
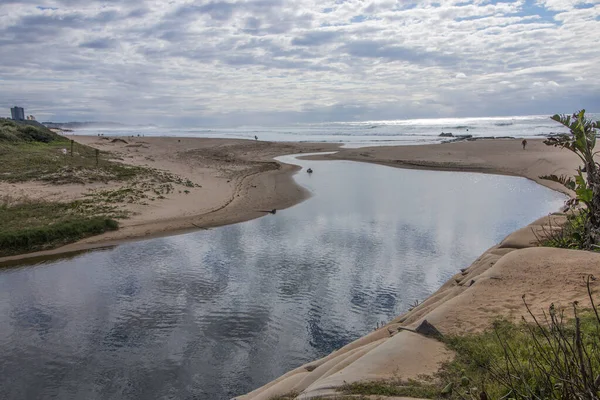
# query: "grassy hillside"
31,152
26,131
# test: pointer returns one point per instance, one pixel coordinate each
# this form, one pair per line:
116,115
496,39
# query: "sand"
497,156
237,179
493,286
496,285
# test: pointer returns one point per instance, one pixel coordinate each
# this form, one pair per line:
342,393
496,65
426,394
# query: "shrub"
582,141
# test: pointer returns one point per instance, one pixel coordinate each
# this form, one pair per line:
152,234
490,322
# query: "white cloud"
205,62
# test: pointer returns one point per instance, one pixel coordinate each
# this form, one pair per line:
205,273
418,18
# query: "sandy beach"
238,180
492,156
230,181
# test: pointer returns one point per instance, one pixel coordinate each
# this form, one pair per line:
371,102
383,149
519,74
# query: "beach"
238,180
492,156
230,181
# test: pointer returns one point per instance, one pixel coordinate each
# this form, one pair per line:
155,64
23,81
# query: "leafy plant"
564,180
582,140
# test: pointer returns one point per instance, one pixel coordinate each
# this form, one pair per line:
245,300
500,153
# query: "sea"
359,134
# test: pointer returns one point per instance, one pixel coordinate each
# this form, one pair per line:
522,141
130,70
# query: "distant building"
30,118
17,113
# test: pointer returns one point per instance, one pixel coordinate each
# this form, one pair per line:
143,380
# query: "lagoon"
214,314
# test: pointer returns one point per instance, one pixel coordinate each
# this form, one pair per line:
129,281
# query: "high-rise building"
17,113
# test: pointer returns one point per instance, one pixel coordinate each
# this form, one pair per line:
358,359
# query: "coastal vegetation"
29,152
552,358
583,227
39,225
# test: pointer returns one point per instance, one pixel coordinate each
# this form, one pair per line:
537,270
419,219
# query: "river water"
217,313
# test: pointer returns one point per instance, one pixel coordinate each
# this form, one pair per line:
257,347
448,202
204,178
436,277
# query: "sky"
265,62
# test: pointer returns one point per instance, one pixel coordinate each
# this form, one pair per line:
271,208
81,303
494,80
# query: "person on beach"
255,137
524,143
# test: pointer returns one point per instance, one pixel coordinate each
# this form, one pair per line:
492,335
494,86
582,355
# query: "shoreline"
466,303
472,156
239,188
244,177
491,287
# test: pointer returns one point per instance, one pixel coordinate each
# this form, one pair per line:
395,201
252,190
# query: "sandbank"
234,181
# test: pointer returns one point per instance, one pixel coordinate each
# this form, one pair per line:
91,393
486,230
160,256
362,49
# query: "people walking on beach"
524,143
255,137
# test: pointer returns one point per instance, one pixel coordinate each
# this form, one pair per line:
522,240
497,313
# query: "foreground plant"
551,358
582,141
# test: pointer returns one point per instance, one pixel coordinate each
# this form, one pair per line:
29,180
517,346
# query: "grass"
25,131
31,152
38,225
389,388
553,358
27,161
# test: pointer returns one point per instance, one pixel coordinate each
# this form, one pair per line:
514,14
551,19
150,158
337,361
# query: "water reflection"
217,313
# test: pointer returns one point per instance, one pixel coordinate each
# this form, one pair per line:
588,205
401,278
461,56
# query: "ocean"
365,133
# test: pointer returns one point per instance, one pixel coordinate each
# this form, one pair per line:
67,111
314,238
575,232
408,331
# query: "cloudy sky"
182,62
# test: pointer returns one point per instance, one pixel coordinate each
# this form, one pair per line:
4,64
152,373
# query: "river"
214,314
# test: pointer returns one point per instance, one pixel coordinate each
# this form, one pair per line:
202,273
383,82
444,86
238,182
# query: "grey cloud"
394,52
101,43
316,38
183,63
138,13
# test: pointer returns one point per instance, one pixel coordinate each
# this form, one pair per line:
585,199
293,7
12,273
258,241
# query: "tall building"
17,113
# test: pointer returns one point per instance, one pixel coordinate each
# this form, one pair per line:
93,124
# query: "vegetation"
569,236
582,141
551,358
26,131
31,152
37,225
391,388
564,180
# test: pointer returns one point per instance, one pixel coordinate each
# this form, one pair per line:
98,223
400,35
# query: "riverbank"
492,287
492,156
213,182
225,181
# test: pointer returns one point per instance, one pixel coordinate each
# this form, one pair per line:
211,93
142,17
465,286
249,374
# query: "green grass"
390,388
27,161
30,152
37,225
521,360
518,361
26,131
570,236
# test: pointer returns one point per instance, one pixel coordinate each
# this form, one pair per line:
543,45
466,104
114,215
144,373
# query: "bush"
582,141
